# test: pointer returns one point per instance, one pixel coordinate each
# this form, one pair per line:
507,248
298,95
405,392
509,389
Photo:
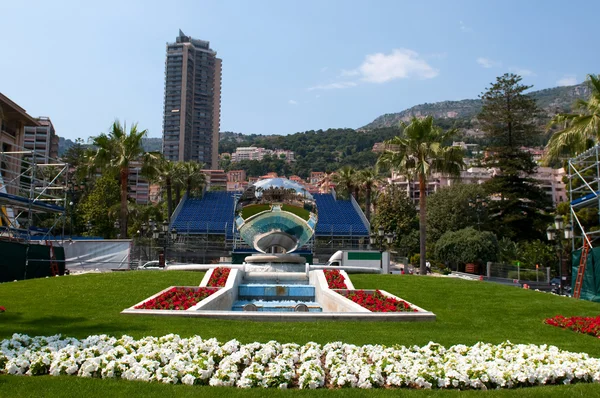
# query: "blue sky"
288,66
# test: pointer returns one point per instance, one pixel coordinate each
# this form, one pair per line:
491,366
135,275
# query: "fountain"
276,217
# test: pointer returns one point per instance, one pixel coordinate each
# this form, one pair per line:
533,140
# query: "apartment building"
42,139
192,101
257,153
215,180
236,180
549,179
13,120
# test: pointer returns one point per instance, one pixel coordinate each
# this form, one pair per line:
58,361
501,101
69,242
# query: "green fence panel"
13,265
590,289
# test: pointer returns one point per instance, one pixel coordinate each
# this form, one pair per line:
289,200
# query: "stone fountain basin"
335,306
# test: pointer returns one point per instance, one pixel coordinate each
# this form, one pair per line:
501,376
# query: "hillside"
463,113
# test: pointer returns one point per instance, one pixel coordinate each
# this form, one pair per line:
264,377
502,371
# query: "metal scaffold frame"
31,185
584,192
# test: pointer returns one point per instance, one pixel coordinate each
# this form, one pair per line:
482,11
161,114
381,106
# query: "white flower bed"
171,359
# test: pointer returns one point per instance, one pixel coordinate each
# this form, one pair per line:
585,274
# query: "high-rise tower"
192,108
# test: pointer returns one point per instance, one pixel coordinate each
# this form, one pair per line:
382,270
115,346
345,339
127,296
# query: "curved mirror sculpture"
276,215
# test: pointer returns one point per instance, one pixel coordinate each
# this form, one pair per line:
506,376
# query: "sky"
288,65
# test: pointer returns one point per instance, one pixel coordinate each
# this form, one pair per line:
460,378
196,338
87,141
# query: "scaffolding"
584,192
32,190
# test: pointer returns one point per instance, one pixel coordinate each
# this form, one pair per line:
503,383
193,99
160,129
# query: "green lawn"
252,210
466,311
300,212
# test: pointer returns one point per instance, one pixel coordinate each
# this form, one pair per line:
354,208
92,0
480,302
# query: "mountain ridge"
464,112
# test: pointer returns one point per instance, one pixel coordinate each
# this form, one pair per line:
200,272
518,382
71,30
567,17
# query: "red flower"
178,298
219,277
2,309
335,279
377,302
589,325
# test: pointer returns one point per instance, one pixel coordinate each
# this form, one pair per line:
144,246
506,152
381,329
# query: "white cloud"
349,73
332,86
400,64
381,68
487,63
522,71
292,102
464,28
324,69
567,80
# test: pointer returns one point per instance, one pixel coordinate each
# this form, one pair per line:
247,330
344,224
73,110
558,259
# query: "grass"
300,212
466,311
252,210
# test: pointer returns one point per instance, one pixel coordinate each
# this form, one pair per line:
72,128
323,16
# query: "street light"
117,226
163,235
478,204
553,235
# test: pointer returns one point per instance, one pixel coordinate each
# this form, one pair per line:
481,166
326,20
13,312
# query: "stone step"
276,305
268,291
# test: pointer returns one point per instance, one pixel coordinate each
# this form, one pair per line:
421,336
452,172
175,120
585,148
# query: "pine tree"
508,120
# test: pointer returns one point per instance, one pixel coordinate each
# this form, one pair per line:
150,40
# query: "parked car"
151,265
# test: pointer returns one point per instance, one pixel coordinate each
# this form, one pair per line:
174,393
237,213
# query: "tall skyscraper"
192,109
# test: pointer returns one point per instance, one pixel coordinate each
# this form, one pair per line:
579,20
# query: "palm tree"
345,178
419,153
115,152
191,175
324,183
580,130
167,171
368,178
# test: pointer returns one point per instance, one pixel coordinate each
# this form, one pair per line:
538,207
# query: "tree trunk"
422,224
368,202
123,219
188,187
169,200
177,195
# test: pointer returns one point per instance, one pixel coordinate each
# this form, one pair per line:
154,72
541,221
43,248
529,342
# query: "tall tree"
345,178
191,176
396,213
167,171
508,119
508,115
579,130
368,179
456,207
417,154
115,153
95,208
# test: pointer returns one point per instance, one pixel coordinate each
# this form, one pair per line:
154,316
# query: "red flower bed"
219,276
377,302
589,325
335,279
177,298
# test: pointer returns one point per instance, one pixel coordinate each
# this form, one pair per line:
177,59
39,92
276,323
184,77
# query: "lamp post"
163,235
117,226
71,229
553,235
478,204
